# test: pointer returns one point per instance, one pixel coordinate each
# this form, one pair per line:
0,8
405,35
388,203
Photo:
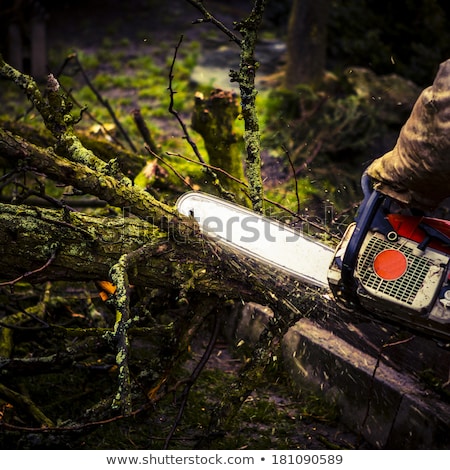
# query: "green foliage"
326,137
306,120
428,376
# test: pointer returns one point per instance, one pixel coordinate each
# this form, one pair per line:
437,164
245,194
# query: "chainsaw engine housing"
397,269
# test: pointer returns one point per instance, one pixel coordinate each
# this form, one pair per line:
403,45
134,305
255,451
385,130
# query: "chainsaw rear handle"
363,225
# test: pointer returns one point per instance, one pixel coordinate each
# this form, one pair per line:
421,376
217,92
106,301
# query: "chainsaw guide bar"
259,237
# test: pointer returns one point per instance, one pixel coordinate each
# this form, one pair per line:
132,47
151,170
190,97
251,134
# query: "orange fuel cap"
390,264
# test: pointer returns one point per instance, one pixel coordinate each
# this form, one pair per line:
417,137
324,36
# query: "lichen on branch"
246,79
54,109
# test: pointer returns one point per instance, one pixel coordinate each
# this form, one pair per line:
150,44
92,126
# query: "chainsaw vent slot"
403,289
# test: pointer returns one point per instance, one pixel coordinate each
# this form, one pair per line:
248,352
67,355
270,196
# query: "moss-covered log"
39,244
130,163
101,182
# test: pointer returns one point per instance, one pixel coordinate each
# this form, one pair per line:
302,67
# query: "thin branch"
83,109
104,102
27,404
172,168
211,167
172,103
208,18
215,181
27,193
30,273
194,376
246,80
75,427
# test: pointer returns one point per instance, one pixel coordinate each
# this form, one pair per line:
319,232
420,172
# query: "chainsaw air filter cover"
397,281
400,275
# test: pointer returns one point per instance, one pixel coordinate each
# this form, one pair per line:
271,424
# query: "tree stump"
213,118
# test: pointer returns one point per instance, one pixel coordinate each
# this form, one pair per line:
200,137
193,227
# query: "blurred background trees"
407,37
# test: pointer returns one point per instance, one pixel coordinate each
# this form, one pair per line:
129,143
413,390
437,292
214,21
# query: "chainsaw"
392,265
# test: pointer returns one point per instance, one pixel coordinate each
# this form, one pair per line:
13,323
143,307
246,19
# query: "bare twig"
74,427
291,163
83,109
26,403
172,168
248,28
104,102
208,18
215,181
30,273
172,104
211,167
200,366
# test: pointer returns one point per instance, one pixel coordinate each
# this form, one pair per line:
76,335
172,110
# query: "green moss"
429,378
89,61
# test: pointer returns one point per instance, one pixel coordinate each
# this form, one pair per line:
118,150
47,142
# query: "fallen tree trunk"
40,244
130,163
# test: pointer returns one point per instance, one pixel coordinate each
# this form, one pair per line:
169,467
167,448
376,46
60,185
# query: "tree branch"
92,181
207,17
26,403
246,79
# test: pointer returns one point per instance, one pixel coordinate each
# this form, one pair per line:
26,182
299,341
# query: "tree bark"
130,163
306,43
